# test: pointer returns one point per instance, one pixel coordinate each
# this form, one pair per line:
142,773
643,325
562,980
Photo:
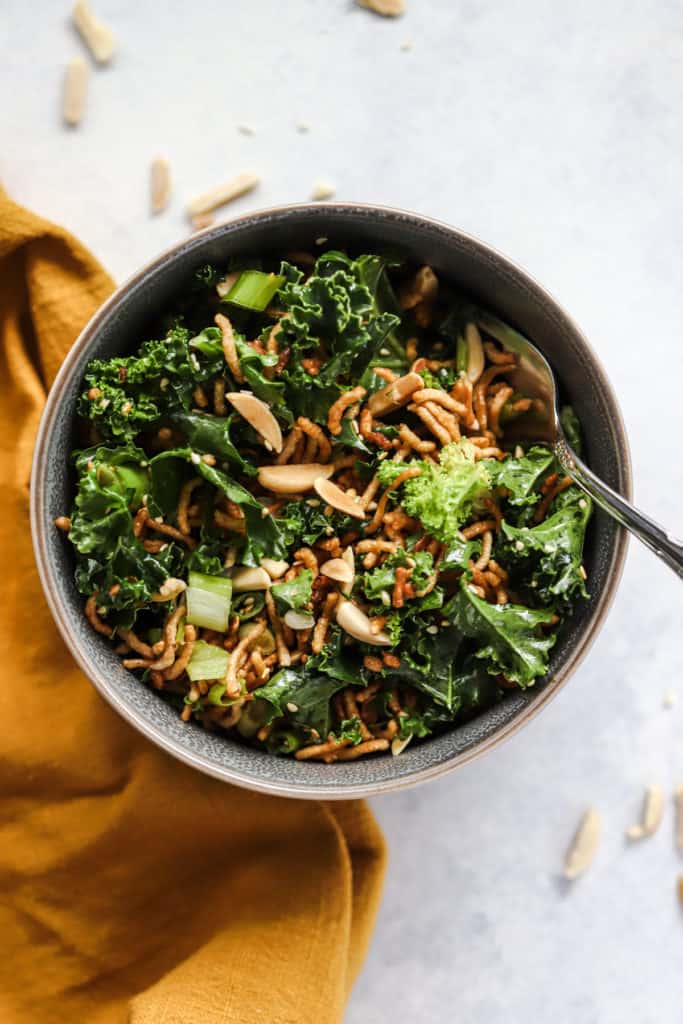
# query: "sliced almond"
293,478
160,183
653,810
169,589
348,556
274,568
75,90
355,622
394,395
387,8
207,202
322,190
258,415
584,845
299,620
250,578
475,352
398,745
97,36
334,496
337,569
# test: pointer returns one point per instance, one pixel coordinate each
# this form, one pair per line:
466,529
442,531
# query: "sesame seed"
372,506
104,403
669,699
144,465
195,458
194,361
582,503
268,446
385,597
292,707
582,573
163,383
321,240
329,530
444,622
382,455
158,519
384,352
313,502
264,512
519,546
101,610
303,127
534,583
245,129
433,630
145,499
548,548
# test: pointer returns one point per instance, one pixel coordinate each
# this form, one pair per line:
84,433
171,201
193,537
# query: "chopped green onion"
216,694
253,289
461,356
248,605
207,662
208,601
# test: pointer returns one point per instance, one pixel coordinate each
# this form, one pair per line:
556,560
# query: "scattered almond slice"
293,478
653,810
250,578
387,8
298,620
678,804
355,622
337,569
475,353
258,415
349,558
97,36
669,699
584,845
207,202
394,395
274,568
160,183
334,496
322,190
203,220
75,90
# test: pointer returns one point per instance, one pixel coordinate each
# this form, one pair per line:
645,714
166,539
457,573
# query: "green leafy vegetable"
509,638
443,496
309,693
520,477
548,557
294,595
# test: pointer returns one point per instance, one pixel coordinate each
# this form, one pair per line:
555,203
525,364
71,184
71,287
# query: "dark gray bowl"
120,324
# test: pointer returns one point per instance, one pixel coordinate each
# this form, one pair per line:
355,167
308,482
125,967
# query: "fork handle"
656,538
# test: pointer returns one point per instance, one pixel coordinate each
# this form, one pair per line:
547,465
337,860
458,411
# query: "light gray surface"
556,137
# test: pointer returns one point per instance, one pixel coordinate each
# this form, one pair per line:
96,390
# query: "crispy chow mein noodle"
323,578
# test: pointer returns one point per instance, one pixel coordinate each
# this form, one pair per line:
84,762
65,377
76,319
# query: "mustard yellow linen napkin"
133,889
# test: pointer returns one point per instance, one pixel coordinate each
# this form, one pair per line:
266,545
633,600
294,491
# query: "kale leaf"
509,637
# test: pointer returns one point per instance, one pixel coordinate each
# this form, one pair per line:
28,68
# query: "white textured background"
553,131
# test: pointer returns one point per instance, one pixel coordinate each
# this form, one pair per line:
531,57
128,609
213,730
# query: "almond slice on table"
97,36
475,353
584,845
355,622
387,8
207,202
293,478
160,183
334,496
250,578
75,90
337,569
258,415
653,810
394,395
